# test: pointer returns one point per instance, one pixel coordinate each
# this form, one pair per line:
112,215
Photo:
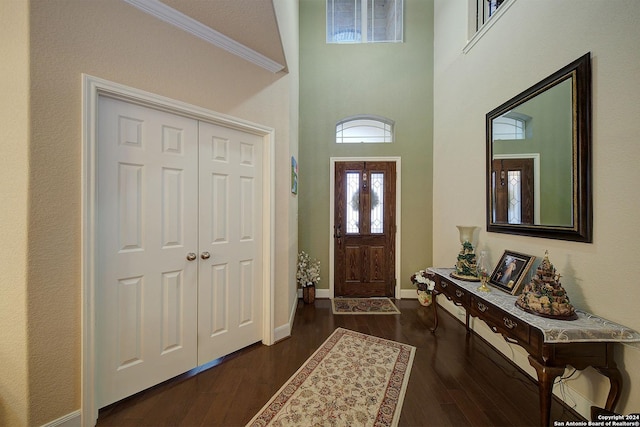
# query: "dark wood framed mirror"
539,158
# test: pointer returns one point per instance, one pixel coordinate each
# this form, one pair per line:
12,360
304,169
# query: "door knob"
191,256
205,255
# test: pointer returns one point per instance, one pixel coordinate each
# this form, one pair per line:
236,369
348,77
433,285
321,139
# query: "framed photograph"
511,271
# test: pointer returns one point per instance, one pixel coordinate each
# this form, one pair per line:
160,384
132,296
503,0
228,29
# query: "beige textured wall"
533,39
114,41
287,12
14,182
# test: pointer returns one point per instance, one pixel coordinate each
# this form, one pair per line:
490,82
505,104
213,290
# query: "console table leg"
546,377
435,313
466,321
615,385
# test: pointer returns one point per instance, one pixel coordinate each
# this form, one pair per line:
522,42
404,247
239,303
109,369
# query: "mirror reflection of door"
512,182
364,229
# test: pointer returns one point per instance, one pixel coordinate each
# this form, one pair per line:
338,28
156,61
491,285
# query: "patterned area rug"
352,379
363,306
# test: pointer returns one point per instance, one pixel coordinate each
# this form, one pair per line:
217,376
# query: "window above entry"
364,129
485,9
364,21
483,14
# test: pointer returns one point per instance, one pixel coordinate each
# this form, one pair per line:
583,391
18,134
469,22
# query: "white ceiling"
251,23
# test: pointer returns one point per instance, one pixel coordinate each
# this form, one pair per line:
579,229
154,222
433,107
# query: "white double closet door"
179,245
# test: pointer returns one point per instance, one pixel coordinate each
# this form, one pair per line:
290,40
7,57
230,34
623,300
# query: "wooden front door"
513,191
364,229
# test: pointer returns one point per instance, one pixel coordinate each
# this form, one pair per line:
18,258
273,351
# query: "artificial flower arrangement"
308,273
422,280
425,285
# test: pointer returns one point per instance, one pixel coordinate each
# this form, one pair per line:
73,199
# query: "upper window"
364,129
483,14
485,9
364,21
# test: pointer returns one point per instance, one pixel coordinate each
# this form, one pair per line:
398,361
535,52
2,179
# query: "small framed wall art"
511,271
294,175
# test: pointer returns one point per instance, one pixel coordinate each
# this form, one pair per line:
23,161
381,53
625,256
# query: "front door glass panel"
377,203
353,205
515,202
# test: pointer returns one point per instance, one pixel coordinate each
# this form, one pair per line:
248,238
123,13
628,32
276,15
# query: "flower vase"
309,294
425,298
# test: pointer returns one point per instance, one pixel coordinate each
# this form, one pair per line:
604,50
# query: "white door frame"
92,88
332,189
536,178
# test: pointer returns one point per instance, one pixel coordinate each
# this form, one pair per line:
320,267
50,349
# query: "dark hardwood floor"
456,380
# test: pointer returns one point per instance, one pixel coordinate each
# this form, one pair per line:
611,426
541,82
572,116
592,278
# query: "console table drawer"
454,293
497,319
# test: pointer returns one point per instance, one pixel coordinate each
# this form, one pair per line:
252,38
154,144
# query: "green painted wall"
393,80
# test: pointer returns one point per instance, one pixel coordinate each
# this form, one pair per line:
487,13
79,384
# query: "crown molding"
171,16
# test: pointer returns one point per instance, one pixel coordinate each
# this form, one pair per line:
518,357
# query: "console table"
552,344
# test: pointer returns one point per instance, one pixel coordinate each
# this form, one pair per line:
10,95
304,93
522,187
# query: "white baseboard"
292,313
408,294
281,332
574,400
70,420
320,293
284,331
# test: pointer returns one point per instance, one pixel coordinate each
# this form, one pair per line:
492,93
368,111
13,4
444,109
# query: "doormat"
352,379
363,306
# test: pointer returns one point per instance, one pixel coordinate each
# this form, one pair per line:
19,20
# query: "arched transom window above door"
364,129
